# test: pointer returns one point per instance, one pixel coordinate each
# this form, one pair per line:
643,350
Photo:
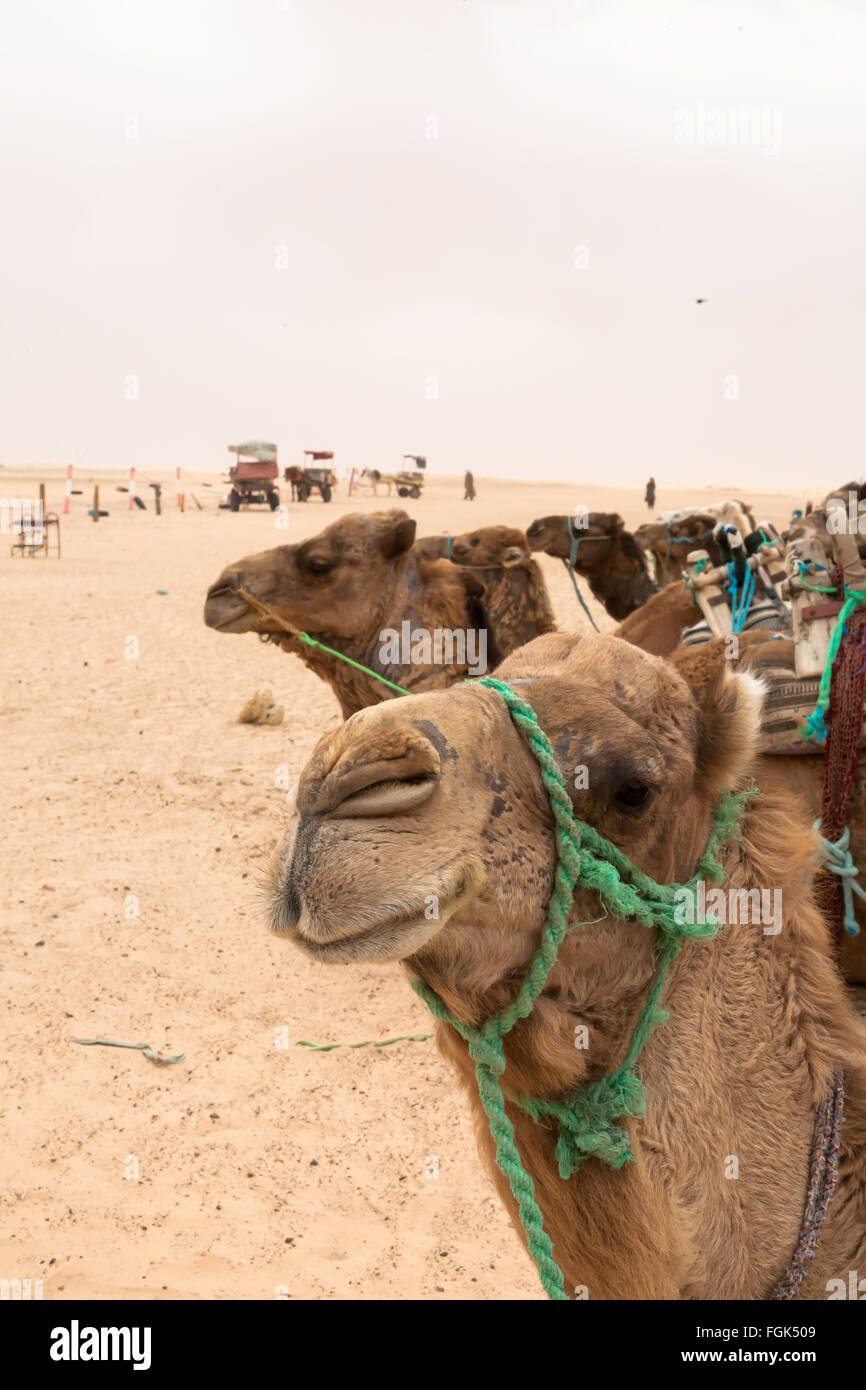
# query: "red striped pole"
131,488
68,498
179,496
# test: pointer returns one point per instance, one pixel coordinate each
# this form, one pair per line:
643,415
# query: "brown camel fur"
515,594
345,587
608,556
445,790
656,627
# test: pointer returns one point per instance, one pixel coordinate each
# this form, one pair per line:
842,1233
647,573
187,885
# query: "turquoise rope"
839,860
815,726
740,602
587,1118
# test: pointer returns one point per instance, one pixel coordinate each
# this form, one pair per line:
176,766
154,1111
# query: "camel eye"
320,565
632,794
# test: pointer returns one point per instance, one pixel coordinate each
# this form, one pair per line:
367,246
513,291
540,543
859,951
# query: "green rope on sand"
587,1118
329,1047
149,1052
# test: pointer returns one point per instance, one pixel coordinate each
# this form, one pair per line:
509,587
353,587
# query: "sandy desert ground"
248,1170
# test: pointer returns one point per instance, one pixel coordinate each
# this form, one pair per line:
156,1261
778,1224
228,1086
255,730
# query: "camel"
669,543
670,538
359,588
607,555
656,628
447,791
515,594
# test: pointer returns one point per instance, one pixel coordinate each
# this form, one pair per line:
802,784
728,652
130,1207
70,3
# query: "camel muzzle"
223,606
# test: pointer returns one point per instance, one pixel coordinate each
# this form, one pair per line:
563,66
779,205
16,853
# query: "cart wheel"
414,492
303,492
273,500
326,493
402,492
234,501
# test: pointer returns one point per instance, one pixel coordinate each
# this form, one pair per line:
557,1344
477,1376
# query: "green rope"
570,563
816,588
815,727
311,642
149,1052
586,1119
581,600
386,1042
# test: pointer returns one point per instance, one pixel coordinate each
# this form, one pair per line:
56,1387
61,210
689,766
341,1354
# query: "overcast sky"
472,229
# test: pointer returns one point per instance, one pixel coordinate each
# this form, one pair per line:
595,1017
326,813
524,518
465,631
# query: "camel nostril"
228,583
385,782
387,798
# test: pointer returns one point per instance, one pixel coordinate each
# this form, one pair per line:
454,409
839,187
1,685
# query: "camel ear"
729,729
397,537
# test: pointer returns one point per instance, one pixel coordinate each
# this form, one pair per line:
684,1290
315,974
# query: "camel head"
493,546
423,831
328,584
596,533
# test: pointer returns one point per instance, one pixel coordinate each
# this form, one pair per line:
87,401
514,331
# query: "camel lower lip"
389,940
229,621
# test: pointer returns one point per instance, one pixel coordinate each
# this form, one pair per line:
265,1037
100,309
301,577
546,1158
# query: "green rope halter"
586,1120
570,563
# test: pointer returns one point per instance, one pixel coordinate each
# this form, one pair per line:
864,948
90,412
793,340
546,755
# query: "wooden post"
96,501
709,594
812,632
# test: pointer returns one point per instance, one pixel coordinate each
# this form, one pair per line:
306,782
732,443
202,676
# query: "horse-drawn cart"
253,475
305,481
408,484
